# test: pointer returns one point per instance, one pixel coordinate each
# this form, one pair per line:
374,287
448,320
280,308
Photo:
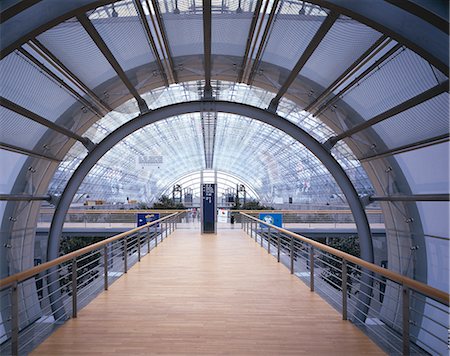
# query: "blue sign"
145,218
274,219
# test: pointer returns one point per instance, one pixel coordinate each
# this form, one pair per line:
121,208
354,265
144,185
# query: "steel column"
14,319
105,267
311,268
207,47
344,290
405,320
74,288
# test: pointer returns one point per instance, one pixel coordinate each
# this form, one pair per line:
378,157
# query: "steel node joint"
330,143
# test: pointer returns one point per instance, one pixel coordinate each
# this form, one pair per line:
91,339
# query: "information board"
274,219
209,208
144,218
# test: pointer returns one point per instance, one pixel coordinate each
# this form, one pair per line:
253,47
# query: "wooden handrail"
99,211
21,276
423,288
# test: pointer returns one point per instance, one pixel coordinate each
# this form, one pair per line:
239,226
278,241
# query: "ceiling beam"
262,43
148,32
21,150
95,36
99,102
407,148
361,76
408,104
312,46
424,13
367,55
18,7
207,47
40,120
249,40
24,197
61,82
412,198
162,30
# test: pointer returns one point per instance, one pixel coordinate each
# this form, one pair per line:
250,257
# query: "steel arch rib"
260,115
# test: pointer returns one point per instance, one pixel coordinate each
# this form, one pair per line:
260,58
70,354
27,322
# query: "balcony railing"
36,301
403,315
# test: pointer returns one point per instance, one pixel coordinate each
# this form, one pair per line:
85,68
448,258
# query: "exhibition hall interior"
231,177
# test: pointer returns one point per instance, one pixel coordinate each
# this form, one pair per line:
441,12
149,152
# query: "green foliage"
250,205
142,206
332,272
84,265
166,203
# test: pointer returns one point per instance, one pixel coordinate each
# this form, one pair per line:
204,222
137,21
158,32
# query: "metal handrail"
420,287
24,275
108,211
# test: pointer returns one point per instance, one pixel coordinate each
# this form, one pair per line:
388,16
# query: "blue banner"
144,218
274,219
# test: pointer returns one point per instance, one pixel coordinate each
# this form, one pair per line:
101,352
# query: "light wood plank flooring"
208,295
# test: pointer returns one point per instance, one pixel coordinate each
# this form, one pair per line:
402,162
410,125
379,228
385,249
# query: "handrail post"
105,262
139,245
14,319
405,319
344,289
74,288
268,240
279,246
125,254
256,231
292,254
148,239
311,268
156,234
262,235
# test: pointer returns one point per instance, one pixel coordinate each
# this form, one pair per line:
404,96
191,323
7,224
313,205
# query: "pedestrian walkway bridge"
210,294
217,294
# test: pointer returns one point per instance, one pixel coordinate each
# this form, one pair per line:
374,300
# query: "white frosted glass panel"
289,38
24,84
11,164
423,121
398,79
71,44
185,33
435,218
426,169
18,130
341,46
438,257
229,34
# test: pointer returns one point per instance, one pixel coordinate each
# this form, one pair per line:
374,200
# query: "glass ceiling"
266,160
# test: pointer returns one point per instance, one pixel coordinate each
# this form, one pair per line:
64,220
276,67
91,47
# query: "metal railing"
333,218
31,308
402,315
103,217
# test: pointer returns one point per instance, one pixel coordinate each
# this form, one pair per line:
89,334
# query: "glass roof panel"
121,29
25,84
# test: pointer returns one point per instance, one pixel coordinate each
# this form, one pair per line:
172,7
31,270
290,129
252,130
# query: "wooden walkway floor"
208,295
